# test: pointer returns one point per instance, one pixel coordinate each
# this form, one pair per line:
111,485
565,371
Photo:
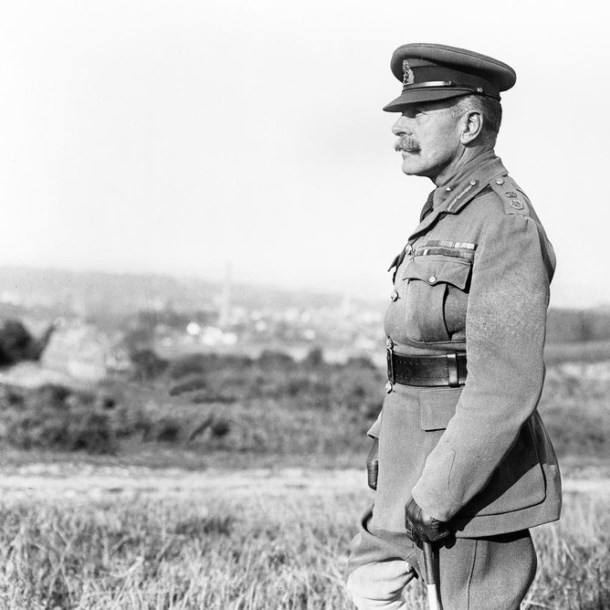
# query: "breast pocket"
436,297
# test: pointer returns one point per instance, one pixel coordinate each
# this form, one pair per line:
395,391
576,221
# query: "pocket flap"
435,269
437,407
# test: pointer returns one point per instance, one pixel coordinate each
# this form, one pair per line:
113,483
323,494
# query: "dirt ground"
73,480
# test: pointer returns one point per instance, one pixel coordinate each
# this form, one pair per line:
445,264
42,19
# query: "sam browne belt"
443,370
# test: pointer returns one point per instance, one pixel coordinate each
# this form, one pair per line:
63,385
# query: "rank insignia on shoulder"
514,199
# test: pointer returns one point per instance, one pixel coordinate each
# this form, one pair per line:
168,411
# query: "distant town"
94,323
100,320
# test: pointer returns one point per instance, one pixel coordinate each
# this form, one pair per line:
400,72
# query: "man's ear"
472,127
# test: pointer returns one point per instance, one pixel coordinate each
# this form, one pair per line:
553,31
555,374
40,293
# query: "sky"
182,137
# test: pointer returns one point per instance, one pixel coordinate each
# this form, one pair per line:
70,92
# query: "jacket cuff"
437,500
431,508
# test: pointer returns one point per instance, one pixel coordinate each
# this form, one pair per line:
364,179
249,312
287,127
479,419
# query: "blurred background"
201,199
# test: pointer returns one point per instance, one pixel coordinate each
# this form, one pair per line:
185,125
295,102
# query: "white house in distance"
84,352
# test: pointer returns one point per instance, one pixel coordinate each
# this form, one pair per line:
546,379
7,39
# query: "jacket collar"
462,189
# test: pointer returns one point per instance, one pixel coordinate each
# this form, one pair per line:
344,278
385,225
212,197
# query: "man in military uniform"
463,458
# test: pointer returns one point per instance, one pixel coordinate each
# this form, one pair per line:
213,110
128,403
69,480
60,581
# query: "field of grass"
247,550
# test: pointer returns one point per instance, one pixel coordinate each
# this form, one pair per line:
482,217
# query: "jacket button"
387,387
500,181
432,279
394,295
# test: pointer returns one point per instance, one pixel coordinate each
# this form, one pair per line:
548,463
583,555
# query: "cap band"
449,83
432,83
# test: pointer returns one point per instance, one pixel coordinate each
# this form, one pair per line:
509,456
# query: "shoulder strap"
514,199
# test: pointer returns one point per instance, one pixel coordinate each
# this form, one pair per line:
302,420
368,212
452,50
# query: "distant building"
85,353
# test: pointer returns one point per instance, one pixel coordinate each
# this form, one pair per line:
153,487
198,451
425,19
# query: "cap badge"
408,76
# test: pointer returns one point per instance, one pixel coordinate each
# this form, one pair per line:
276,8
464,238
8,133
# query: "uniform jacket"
474,277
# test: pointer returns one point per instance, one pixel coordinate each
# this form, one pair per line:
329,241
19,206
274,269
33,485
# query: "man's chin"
413,166
409,168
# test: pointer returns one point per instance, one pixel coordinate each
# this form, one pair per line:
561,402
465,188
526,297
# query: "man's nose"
401,127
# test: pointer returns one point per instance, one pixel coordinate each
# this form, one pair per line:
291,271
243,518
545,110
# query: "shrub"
190,384
167,430
195,364
275,360
56,417
92,432
315,358
221,427
212,397
147,365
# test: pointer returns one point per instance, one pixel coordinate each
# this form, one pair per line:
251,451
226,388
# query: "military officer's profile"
460,462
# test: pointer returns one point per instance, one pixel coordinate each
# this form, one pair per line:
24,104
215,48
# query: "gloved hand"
372,464
423,527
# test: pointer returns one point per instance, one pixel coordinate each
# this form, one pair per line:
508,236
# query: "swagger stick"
434,602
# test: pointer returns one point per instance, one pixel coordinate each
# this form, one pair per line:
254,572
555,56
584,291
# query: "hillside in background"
98,293
109,298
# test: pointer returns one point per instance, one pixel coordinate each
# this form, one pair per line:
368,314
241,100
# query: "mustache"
407,144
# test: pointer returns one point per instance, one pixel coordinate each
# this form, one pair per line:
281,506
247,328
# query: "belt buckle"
390,360
452,371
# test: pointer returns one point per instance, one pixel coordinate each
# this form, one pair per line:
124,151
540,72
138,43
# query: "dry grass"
574,556
242,551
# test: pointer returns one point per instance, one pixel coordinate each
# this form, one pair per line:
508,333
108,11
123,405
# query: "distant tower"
225,299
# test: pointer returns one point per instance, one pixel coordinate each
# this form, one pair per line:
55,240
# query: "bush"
278,361
168,430
195,364
193,383
221,427
16,343
147,365
315,358
212,397
93,433
206,364
55,417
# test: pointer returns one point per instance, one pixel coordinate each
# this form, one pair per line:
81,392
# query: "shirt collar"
468,181
476,177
